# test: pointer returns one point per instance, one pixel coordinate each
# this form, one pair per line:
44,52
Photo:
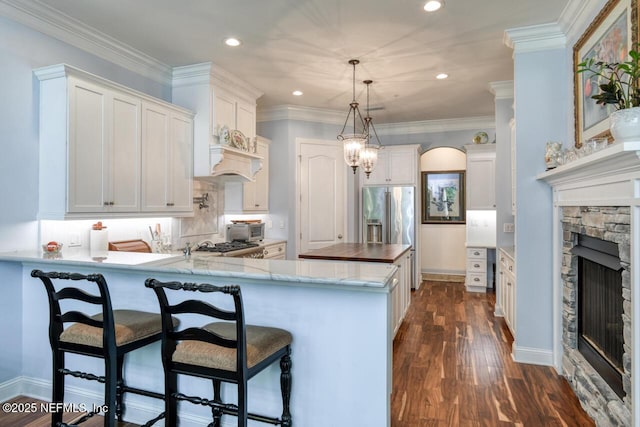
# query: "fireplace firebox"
600,308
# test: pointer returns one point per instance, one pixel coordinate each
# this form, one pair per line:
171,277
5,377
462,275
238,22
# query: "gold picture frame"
608,38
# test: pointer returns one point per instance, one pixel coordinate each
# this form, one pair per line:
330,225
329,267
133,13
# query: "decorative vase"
551,154
625,124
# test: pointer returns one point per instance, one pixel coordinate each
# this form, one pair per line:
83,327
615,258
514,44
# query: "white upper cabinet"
166,160
481,172
252,196
221,99
397,165
91,130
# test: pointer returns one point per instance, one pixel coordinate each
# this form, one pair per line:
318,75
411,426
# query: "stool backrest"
171,336
57,318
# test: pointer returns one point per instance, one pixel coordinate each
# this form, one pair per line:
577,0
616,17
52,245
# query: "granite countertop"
343,274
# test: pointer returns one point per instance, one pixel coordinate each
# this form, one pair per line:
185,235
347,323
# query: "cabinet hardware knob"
508,283
111,203
476,253
266,252
476,265
476,279
339,236
510,268
106,203
257,205
280,249
169,204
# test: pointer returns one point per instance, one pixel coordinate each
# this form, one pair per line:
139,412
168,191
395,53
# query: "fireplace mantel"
602,182
603,178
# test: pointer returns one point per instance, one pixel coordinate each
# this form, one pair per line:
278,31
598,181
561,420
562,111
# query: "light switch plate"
508,227
74,240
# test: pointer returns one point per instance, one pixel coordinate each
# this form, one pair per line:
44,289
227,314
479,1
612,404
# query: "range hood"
231,164
193,87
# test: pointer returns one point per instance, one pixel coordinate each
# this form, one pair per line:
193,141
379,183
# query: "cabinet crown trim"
65,70
208,72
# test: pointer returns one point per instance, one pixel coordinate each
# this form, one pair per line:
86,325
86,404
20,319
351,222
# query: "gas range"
239,248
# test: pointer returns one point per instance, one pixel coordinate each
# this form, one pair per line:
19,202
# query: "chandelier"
353,143
369,153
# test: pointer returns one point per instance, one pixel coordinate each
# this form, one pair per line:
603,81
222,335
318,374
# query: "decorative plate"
238,140
480,138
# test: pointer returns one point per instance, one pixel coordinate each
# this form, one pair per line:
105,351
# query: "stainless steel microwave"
246,232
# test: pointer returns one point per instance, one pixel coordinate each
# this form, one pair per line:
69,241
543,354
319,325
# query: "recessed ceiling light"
297,92
442,76
433,5
233,42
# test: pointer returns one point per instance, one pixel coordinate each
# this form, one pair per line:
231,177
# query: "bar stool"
227,351
109,335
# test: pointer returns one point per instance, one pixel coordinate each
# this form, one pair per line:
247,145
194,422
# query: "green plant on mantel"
618,81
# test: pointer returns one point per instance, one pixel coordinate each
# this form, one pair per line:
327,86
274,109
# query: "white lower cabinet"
275,251
102,145
401,294
476,277
508,289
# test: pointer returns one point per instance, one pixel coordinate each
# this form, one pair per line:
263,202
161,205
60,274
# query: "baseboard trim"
497,311
137,411
534,356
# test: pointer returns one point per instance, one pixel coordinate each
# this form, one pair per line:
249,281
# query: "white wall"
443,245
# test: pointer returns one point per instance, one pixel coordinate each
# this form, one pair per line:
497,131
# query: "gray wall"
504,113
22,50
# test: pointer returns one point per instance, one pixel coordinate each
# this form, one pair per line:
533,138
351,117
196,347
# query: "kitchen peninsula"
339,315
397,254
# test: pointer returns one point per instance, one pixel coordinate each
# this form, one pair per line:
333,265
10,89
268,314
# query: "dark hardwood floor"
452,366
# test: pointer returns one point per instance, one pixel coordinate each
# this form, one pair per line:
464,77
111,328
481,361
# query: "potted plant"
618,83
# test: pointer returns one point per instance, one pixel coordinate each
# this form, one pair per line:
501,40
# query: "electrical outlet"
74,240
281,224
508,227
269,224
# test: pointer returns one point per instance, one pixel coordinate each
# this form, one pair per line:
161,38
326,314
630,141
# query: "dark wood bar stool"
223,351
109,335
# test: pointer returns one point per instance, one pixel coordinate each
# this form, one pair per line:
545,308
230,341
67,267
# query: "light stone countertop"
352,275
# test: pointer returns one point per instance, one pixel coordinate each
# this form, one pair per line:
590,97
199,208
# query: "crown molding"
578,15
333,117
535,38
209,73
436,126
502,90
51,22
305,114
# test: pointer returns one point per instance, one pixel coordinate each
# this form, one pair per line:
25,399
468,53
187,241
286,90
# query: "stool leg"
171,403
285,387
110,374
242,403
58,385
217,397
119,390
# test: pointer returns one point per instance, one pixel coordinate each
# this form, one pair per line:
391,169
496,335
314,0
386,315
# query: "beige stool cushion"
130,325
261,343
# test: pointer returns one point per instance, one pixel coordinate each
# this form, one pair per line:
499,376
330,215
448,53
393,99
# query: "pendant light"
369,154
353,143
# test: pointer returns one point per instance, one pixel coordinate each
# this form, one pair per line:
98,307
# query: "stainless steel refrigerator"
389,217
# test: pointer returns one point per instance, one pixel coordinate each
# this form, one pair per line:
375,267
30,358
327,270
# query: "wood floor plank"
453,367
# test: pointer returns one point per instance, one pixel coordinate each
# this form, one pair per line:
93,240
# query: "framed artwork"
608,38
443,197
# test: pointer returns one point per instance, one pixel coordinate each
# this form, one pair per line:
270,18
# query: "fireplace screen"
600,324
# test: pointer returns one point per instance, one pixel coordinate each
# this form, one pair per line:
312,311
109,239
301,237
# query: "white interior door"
321,194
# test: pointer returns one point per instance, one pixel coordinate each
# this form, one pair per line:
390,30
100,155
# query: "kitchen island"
339,314
397,254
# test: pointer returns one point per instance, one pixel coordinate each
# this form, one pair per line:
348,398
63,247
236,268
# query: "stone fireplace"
596,199
604,399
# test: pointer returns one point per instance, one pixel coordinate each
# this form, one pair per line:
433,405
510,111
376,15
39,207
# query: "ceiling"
306,45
